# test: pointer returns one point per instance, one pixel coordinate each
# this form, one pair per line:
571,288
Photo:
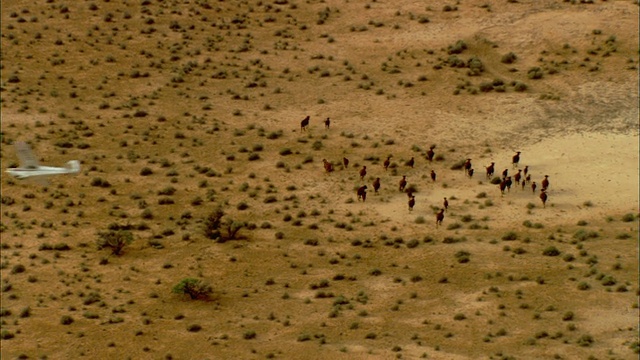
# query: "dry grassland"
176,108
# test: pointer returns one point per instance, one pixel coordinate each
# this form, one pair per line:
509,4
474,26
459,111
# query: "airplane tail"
73,166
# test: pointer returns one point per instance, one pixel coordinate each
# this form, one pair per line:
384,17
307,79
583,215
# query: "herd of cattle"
521,178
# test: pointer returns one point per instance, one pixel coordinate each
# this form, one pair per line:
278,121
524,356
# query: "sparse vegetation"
186,119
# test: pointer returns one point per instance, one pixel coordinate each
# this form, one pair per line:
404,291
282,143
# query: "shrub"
475,67
535,73
195,288
583,235
585,340
551,251
520,87
116,240
194,328
463,256
459,317
66,320
509,58
628,217
510,236
457,48
584,286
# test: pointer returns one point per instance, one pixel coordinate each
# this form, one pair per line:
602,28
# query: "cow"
362,193
304,123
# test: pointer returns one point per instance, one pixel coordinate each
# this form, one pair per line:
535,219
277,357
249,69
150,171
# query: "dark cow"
515,159
363,172
503,185
362,193
543,197
433,175
445,204
387,163
490,170
345,162
431,153
327,123
517,176
403,183
304,123
467,166
545,182
533,187
412,202
439,217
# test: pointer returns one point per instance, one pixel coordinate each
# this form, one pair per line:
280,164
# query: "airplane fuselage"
23,173
73,167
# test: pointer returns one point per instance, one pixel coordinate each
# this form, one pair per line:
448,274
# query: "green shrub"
457,48
551,251
195,288
585,340
535,73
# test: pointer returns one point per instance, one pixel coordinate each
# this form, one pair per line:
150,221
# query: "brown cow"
363,172
543,197
545,182
403,182
431,153
410,163
328,167
490,170
362,193
376,184
517,176
439,217
467,166
387,163
412,202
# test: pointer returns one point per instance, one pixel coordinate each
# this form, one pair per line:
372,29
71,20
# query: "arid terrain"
186,117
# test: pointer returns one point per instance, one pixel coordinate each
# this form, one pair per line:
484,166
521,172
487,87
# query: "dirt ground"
176,108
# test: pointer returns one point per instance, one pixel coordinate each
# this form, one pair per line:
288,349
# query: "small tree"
214,226
116,240
195,288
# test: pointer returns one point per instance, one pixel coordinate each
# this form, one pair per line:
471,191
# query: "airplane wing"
27,159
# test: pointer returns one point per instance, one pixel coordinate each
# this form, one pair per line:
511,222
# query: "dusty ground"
209,96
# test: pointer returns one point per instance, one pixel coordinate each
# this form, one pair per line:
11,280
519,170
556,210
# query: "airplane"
30,168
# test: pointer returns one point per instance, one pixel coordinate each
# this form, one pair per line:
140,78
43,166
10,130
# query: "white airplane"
29,167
